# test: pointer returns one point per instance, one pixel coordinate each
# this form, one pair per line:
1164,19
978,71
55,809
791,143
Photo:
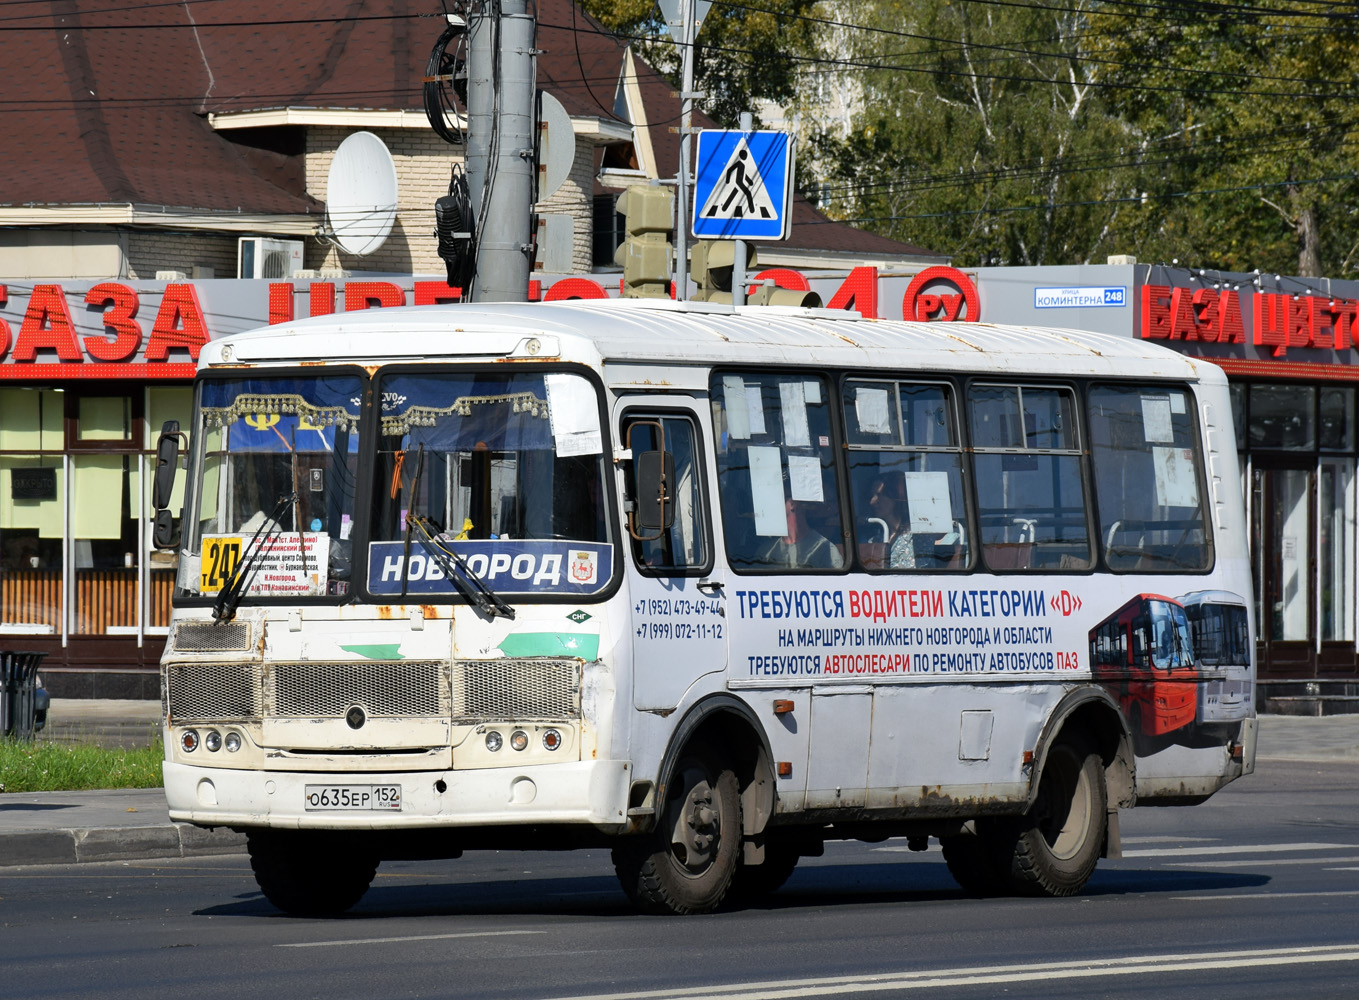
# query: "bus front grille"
515,690
408,688
212,691
211,637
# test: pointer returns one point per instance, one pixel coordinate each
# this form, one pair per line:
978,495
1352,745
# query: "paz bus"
1144,653
705,586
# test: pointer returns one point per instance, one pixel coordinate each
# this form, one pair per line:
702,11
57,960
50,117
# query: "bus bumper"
593,793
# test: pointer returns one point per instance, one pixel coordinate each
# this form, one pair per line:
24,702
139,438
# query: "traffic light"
645,251
711,262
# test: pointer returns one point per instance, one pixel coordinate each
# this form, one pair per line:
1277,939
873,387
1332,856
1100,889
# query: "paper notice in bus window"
766,490
927,496
794,403
804,478
573,411
734,398
870,406
1177,402
811,391
1156,419
1176,485
755,408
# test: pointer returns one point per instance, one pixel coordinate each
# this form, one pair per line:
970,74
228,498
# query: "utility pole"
501,121
688,29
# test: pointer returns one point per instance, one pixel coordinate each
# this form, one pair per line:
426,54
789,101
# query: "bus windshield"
278,457
504,470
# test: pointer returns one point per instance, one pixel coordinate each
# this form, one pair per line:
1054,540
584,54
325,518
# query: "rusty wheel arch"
1090,713
727,724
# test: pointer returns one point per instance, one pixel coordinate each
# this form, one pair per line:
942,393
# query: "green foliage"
1032,134
45,766
745,52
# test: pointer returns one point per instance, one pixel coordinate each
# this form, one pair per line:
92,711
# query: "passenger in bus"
803,547
887,501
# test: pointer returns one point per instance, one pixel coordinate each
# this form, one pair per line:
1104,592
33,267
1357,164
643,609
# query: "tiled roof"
112,107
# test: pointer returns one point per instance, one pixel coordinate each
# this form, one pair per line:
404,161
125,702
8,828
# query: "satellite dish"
361,194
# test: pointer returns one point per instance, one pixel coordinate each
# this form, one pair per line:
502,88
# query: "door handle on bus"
709,586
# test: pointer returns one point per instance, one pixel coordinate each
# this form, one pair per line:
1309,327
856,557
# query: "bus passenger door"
677,599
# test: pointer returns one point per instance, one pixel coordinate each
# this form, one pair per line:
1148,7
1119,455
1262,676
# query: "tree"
1031,134
1249,127
982,134
745,53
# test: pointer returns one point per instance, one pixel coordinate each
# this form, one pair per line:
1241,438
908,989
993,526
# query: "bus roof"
632,332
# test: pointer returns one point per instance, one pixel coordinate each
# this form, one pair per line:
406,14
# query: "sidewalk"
43,828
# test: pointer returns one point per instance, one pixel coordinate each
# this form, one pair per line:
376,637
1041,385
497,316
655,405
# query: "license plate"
369,798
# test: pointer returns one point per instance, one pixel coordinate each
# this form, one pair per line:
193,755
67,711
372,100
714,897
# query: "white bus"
706,586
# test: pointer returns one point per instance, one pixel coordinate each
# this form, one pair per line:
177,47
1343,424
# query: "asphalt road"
1254,894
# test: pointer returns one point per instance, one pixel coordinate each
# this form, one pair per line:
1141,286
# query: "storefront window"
1283,416
75,468
31,509
1238,392
1337,548
1337,419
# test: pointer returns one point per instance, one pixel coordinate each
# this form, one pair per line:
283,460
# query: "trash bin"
18,685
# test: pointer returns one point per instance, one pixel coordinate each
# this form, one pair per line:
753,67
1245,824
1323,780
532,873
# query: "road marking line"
1257,862
409,937
987,975
1172,840
1238,849
1277,895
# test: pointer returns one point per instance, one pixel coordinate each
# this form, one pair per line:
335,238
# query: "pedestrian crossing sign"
743,185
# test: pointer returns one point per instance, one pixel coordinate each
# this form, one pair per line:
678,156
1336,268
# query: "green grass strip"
45,766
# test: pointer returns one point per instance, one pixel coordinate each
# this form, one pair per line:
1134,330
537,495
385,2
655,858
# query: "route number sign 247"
220,558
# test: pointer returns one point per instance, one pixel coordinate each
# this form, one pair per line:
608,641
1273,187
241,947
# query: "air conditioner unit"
258,257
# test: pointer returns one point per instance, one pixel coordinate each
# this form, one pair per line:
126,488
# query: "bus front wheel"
309,874
686,864
1061,836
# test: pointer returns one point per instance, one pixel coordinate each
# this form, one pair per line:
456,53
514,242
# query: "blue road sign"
743,185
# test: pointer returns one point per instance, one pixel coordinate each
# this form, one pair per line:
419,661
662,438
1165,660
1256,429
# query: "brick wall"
149,251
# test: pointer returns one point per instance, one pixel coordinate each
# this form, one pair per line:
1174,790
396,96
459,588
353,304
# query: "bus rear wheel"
687,863
1061,836
980,862
309,874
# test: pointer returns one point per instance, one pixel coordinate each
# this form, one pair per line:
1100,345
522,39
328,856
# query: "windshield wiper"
476,591
224,607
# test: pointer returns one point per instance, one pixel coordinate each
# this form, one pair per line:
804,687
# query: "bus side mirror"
163,533
655,510
167,463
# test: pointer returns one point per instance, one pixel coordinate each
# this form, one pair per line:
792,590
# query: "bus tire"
1061,836
980,862
307,874
754,882
686,864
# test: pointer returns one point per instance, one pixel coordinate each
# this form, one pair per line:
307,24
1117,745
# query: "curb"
124,843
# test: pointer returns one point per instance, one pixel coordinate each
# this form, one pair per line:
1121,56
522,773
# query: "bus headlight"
233,742
213,741
188,740
494,741
552,739
519,739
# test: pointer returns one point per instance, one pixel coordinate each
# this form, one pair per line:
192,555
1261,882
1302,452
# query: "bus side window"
776,472
684,545
1031,502
1148,483
906,476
